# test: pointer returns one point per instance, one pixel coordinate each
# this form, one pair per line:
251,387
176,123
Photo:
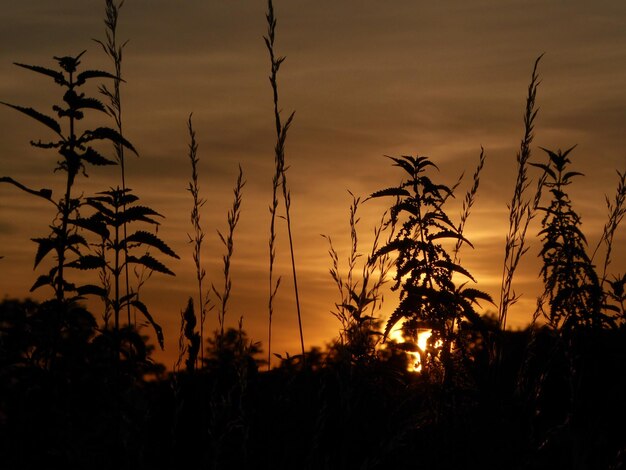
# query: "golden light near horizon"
414,357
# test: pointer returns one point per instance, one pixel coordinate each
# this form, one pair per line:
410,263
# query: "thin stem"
281,134
114,52
228,241
198,237
520,210
468,202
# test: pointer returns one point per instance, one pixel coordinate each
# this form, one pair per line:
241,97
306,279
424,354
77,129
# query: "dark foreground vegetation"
79,392
68,401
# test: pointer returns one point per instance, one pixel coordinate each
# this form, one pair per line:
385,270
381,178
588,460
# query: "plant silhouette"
116,209
572,286
75,149
429,298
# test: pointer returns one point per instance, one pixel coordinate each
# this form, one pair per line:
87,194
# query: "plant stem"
281,136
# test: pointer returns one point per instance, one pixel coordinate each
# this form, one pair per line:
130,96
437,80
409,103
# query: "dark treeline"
69,401
82,392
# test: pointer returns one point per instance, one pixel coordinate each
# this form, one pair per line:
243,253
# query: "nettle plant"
572,287
75,150
111,210
114,210
429,297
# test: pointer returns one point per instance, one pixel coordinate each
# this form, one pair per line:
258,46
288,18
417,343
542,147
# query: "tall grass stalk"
617,211
228,241
281,169
360,299
521,210
273,284
198,232
468,202
114,51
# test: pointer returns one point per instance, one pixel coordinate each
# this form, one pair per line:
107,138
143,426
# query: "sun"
414,359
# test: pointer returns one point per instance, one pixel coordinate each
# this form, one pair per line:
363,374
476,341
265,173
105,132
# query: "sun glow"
414,358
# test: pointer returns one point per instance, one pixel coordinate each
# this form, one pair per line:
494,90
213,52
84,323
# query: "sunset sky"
366,79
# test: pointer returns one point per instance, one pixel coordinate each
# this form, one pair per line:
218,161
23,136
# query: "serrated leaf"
391,192
58,76
88,103
138,213
150,263
45,245
127,199
139,305
571,174
101,208
106,133
42,118
94,158
147,238
87,262
90,289
453,267
401,245
92,224
82,77
449,234
41,281
405,163
394,318
545,168
474,294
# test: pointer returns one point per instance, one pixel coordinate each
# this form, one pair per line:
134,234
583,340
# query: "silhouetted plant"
228,241
231,360
198,233
75,149
571,283
617,295
617,211
280,178
114,51
115,209
188,332
521,210
429,298
359,299
468,202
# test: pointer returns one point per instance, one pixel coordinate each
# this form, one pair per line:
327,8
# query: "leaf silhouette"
46,120
157,328
86,262
391,192
94,158
90,289
138,213
42,280
147,238
106,133
82,77
93,224
58,76
45,245
150,263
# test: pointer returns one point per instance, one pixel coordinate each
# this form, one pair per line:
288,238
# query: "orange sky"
366,80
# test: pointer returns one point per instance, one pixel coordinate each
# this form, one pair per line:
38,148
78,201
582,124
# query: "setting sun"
414,364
